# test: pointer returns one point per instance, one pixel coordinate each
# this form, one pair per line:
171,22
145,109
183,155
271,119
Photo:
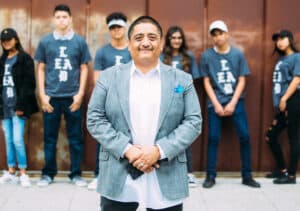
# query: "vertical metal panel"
191,17
245,22
99,36
14,14
42,15
278,16
99,9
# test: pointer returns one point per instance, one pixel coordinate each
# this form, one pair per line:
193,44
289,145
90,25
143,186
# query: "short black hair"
145,19
282,34
116,15
62,7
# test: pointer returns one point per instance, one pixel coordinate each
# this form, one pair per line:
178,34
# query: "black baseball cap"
8,34
283,33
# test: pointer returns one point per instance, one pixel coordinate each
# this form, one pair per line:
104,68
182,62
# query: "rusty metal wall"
251,24
192,19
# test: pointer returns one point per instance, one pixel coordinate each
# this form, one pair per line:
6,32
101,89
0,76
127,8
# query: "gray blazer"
108,121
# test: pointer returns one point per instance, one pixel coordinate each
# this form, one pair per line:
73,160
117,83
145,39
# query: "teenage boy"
62,70
224,70
116,52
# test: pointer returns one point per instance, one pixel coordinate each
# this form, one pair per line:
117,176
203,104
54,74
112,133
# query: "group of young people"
62,68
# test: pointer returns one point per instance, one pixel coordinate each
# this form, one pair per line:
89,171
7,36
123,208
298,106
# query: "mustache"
146,48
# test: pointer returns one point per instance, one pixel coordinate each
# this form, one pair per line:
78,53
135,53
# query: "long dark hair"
183,50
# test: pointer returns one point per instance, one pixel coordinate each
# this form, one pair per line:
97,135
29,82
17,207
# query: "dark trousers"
111,205
189,163
291,121
74,134
239,119
96,171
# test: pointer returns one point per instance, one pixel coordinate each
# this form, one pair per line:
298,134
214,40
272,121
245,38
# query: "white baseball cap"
218,25
118,22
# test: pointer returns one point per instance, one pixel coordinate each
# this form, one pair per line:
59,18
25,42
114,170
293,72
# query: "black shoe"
209,182
285,179
251,183
273,174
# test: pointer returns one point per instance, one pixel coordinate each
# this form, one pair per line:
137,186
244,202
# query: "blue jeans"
74,134
239,119
14,138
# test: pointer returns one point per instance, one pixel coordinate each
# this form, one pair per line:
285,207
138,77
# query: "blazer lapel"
123,82
167,91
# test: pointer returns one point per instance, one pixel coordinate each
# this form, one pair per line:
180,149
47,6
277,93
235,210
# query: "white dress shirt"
144,108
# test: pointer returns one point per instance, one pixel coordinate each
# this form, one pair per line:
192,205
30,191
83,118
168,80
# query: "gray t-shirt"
9,92
223,71
108,56
286,68
63,59
177,63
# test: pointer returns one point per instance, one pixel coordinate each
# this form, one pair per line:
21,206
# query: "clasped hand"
225,111
143,158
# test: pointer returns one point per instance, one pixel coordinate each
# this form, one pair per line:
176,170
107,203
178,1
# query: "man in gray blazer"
144,114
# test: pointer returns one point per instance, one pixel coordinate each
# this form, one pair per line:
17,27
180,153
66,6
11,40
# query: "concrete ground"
227,195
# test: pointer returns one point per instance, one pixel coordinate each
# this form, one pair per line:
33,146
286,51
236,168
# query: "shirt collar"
134,69
216,50
67,36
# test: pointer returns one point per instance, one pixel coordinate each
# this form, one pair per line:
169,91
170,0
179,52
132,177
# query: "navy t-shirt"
224,71
63,59
9,92
108,56
177,63
286,68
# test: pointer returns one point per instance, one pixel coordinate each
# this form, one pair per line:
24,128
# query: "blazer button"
129,131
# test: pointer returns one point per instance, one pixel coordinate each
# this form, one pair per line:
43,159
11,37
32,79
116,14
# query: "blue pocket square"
178,89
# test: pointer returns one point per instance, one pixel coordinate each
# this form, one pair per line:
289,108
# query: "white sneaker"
25,181
192,181
8,178
44,181
93,184
78,181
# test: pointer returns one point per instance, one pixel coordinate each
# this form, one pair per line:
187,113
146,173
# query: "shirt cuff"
126,148
161,152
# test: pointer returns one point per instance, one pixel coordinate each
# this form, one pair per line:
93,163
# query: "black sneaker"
209,182
251,183
273,174
285,179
